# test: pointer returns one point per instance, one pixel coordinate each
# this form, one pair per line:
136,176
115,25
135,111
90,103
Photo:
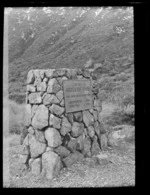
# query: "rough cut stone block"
36,148
61,79
77,129
55,121
35,98
59,72
70,117
50,99
95,147
31,88
36,166
78,116
72,144
62,103
86,73
53,86
72,158
40,136
87,118
40,119
91,132
49,73
64,130
30,77
62,151
60,95
71,73
51,164
53,137
57,110
65,122
41,86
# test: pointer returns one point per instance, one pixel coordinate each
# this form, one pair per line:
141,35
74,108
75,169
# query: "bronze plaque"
78,95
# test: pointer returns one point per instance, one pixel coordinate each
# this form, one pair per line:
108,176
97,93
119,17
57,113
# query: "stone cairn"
56,139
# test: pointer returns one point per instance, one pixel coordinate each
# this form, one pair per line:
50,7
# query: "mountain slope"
68,37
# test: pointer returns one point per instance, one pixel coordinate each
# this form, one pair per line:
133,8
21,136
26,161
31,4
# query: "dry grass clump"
16,116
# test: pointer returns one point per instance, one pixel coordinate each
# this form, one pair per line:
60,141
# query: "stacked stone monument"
62,120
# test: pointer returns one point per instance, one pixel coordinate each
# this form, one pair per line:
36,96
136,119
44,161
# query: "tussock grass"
16,116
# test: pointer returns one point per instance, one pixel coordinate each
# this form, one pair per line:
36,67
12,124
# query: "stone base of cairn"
53,138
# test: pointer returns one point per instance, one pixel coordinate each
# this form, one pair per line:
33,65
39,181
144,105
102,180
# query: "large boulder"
54,121
57,110
36,148
72,158
62,151
77,129
51,164
53,137
35,98
40,119
87,118
36,166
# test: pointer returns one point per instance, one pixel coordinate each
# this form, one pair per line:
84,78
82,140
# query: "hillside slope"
69,37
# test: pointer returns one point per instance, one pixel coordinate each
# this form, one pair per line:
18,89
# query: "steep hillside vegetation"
69,37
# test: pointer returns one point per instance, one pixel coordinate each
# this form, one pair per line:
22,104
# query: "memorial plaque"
78,95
